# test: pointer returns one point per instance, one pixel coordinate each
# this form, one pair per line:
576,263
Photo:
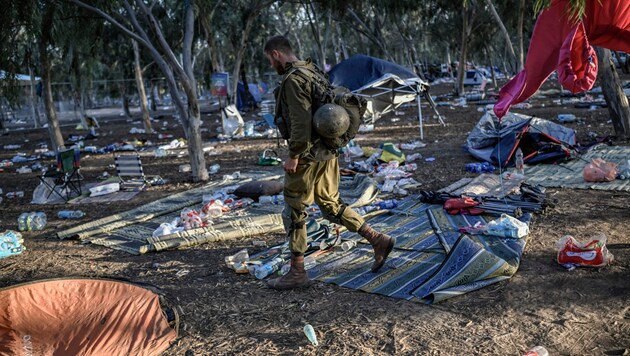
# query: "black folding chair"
66,179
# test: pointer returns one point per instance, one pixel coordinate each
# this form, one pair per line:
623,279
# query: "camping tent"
256,91
81,316
539,139
384,84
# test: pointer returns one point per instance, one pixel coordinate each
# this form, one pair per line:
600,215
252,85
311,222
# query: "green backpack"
322,92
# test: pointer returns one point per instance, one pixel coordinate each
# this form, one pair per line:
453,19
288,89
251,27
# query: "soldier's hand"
290,165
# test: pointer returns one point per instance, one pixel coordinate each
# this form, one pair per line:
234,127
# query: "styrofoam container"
104,189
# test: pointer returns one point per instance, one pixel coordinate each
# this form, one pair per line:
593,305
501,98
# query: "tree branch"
112,21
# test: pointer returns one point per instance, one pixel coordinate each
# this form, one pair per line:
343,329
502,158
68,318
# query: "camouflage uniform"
317,174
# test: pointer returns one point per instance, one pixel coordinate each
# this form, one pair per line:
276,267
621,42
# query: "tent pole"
420,117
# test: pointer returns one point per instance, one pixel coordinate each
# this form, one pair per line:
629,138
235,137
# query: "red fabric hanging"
565,45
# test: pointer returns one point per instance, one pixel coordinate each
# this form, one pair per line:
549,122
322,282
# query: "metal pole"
420,117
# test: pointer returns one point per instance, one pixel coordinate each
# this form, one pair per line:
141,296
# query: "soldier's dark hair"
278,43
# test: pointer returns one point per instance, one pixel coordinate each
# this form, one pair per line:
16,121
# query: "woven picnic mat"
120,195
431,261
484,184
136,236
156,208
569,174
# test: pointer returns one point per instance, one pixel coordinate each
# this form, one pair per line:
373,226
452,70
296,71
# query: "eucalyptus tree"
138,21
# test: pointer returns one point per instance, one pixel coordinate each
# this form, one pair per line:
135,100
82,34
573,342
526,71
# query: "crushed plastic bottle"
537,351
476,167
387,204
310,334
268,268
309,262
32,221
70,214
348,245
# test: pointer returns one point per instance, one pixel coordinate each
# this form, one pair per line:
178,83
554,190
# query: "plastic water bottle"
309,262
22,222
537,351
70,214
519,161
268,268
348,245
346,155
388,204
310,334
37,221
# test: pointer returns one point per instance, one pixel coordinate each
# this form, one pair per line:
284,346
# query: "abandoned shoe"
295,278
381,243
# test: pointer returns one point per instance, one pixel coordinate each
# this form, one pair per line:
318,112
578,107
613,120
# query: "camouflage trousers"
319,182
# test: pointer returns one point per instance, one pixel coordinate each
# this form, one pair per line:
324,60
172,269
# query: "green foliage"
575,8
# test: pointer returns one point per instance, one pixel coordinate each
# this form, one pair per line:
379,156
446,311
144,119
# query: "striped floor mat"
431,261
131,231
569,174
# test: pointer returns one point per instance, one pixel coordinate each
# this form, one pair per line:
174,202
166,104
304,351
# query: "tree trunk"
34,99
77,89
240,53
154,88
125,99
461,70
519,35
504,31
56,139
613,93
146,118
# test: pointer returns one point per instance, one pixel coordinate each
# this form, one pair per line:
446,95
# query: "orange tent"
82,317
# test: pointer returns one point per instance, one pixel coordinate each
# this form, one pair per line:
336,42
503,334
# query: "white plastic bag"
507,226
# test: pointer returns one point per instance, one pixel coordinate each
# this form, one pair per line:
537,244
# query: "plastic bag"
600,171
507,226
593,253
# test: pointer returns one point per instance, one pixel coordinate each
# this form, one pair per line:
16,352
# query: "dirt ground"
581,312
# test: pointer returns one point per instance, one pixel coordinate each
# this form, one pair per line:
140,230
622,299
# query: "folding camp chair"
66,179
129,170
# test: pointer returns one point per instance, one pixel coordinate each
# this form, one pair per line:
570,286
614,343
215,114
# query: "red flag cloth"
560,43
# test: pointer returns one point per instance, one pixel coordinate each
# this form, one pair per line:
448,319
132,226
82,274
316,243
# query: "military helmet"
331,120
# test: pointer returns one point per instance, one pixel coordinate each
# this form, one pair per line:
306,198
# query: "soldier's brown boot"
381,243
295,278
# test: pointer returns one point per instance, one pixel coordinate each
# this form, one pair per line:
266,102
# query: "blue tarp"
360,70
256,90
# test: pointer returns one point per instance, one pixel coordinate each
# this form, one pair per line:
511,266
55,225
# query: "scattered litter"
412,145
259,243
12,147
476,167
214,169
429,159
11,243
238,261
32,221
182,272
135,130
105,189
235,175
600,171
70,214
593,253
310,334
163,136
184,168
23,170
507,226
566,118
16,194
537,351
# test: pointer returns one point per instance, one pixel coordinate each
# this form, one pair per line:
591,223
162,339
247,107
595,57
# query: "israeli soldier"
311,169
